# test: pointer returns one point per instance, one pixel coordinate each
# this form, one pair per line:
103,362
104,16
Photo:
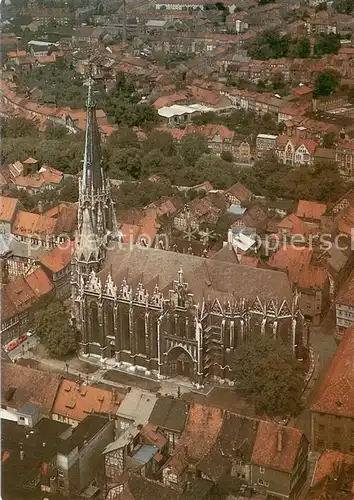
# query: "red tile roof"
336,395
30,225
39,283
297,262
168,100
58,258
20,294
327,464
77,401
201,430
310,209
265,451
7,208
239,191
293,224
35,386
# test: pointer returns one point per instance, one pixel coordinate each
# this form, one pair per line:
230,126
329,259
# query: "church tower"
97,223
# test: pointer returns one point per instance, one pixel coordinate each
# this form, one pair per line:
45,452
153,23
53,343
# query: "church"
161,313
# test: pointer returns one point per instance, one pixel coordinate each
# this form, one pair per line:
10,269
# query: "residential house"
18,298
332,413
338,261
34,229
139,449
8,209
264,144
220,447
344,157
21,385
29,453
65,216
39,48
279,460
136,487
295,151
169,415
30,177
232,451
57,265
238,194
19,258
220,138
79,457
345,308
135,408
47,457
75,400
311,214
333,476
309,279
206,210
322,24
48,15
242,151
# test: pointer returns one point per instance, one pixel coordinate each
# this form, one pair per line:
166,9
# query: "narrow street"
324,347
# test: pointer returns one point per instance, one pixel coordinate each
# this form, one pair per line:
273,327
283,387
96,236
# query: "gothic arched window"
94,323
109,319
124,329
140,333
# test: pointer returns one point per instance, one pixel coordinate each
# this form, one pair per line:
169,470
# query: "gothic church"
164,313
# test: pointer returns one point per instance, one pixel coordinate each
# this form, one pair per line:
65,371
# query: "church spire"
97,222
92,174
87,249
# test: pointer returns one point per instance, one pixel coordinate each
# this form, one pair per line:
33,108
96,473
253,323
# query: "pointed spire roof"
88,248
92,175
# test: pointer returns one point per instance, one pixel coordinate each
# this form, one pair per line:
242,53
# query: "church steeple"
92,174
96,212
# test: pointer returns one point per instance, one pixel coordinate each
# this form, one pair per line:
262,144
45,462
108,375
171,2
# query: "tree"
17,127
125,163
326,83
124,137
344,6
301,48
52,326
269,44
218,172
160,140
328,140
192,147
268,373
351,95
327,44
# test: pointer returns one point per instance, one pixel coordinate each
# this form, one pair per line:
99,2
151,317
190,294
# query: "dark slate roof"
169,413
142,488
14,437
207,278
237,436
226,254
198,489
85,431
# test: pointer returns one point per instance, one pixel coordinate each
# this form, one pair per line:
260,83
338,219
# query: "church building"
163,313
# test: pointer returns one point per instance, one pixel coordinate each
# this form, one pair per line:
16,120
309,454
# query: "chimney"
43,444
280,440
22,454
